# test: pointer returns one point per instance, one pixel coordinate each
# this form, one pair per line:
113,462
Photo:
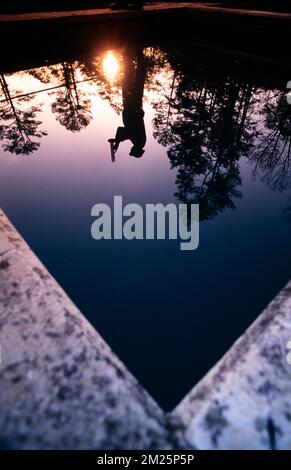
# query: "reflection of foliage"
18,126
273,154
158,71
43,74
208,124
206,118
71,106
72,109
213,192
206,127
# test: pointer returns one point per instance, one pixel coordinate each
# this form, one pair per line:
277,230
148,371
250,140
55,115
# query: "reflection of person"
132,95
126,4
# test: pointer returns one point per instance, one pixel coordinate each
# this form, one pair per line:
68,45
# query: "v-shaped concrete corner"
63,388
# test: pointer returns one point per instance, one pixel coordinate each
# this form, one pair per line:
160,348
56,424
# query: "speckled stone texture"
61,387
244,402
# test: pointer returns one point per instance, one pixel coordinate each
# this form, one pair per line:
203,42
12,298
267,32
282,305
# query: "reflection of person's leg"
133,88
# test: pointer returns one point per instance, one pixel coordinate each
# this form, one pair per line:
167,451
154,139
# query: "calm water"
218,133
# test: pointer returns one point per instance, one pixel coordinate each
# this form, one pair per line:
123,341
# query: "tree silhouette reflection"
72,106
207,117
18,127
273,154
205,134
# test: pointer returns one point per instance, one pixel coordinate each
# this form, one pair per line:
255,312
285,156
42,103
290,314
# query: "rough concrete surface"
61,387
244,402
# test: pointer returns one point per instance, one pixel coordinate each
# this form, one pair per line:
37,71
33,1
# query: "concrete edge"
101,13
63,388
61,385
244,400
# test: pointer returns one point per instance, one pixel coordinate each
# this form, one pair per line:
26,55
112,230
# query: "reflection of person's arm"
112,149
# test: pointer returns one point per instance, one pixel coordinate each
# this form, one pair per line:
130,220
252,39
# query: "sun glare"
110,66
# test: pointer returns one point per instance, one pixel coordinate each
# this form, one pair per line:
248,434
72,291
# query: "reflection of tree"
43,74
206,126
71,107
273,154
158,71
206,118
18,126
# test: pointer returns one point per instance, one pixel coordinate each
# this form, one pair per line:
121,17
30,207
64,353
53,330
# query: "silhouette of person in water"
128,5
132,95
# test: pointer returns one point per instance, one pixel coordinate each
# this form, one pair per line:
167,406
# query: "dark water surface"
218,133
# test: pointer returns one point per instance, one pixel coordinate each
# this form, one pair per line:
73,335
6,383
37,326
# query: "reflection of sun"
110,65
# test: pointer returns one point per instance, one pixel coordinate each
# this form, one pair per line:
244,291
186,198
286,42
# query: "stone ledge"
244,402
61,385
63,388
156,7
